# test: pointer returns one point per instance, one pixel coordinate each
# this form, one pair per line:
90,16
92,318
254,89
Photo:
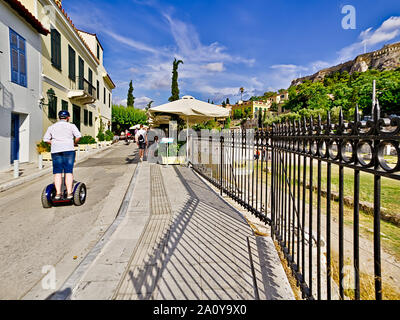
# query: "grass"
390,233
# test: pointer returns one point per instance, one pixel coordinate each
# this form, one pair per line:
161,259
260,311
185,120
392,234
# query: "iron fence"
284,175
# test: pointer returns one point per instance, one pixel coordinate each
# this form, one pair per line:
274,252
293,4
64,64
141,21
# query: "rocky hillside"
387,58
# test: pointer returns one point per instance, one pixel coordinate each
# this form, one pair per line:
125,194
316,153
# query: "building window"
18,59
104,100
85,117
53,108
98,51
71,63
81,66
64,105
90,118
98,90
90,74
56,49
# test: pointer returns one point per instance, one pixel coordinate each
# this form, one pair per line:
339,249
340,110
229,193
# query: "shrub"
87,140
101,136
109,135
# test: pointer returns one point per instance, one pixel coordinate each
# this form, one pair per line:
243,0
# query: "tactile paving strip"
140,278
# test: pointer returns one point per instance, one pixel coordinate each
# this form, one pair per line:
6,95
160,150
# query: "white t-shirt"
62,135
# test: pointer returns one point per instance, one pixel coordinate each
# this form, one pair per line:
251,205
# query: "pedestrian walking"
141,138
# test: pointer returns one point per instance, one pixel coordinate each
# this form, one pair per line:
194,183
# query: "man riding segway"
62,136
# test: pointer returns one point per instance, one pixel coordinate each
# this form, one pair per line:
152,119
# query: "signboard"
167,140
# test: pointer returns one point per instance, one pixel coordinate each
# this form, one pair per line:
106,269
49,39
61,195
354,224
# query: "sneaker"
57,197
70,197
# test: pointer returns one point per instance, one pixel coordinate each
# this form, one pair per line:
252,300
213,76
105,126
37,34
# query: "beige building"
253,108
73,74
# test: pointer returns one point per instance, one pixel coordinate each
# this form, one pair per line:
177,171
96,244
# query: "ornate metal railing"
294,176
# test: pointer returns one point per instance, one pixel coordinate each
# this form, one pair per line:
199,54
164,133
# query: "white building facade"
21,119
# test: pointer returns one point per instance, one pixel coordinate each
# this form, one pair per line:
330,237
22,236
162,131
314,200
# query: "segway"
49,193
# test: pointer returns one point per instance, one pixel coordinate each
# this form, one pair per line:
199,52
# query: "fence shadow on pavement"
203,254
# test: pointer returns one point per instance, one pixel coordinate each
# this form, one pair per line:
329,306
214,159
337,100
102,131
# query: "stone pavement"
180,240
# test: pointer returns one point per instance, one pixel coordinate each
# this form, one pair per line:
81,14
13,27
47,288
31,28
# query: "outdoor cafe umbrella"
137,126
189,109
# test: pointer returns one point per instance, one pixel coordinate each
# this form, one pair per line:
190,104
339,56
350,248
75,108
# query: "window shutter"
90,118
18,59
53,109
71,63
85,117
56,48
64,105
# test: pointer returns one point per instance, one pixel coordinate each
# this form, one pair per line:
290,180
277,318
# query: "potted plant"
44,149
174,156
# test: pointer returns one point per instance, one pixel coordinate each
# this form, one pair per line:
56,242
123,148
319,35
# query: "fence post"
40,162
221,163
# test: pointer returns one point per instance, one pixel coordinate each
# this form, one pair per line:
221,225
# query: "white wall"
15,98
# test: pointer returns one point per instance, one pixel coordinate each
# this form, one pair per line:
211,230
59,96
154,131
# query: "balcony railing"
83,90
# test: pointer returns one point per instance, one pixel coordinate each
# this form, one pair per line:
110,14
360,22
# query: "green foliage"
131,99
174,86
123,118
346,91
87,139
228,123
209,125
109,136
101,136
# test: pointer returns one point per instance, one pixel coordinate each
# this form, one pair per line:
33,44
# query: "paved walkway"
179,240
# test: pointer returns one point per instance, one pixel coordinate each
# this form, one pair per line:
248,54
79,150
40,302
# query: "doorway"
14,137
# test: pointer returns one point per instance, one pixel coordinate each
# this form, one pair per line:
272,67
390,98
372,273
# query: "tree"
174,86
123,118
227,101
241,90
224,104
131,99
149,105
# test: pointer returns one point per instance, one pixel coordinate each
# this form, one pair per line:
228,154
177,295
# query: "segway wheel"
80,194
45,201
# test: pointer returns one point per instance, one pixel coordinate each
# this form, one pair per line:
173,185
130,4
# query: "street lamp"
50,98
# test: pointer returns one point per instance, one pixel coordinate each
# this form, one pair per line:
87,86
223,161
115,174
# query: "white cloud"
119,101
132,43
142,102
214,67
387,31
191,48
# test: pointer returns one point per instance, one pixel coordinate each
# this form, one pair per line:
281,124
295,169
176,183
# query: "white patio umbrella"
137,126
189,109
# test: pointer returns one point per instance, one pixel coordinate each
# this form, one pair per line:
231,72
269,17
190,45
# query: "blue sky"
260,45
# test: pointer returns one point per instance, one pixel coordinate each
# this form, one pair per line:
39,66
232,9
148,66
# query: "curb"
19,181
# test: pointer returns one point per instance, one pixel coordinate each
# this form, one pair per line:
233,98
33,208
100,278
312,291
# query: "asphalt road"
32,237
